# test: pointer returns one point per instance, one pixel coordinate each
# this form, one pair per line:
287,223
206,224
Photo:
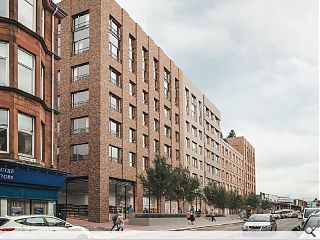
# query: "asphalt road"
282,225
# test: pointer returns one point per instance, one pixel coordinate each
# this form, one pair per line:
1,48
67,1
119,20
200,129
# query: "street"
283,225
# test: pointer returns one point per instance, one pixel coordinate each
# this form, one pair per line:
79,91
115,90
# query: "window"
132,159
4,130
200,150
132,112
194,147
53,222
43,13
26,74
201,164
59,38
188,126
167,131
58,103
145,96
132,135
131,53
176,99
177,118
145,141
115,102
194,131
114,39
42,81
194,108
200,112
187,160
80,72
166,84
115,128
200,135
27,13
156,125
145,163
156,74
167,113
80,125
167,151
4,63
132,88
177,155
34,221
144,65
194,162
115,77
188,143
80,98
177,137
145,119
186,93
156,104
156,146
81,31
80,152
4,10
115,154
25,135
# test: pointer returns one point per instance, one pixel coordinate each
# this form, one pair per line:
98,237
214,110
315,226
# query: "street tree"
252,200
265,204
234,200
185,186
216,195
158,180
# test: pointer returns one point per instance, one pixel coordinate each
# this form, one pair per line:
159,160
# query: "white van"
307,212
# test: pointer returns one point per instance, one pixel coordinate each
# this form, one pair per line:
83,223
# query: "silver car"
260,222
37,223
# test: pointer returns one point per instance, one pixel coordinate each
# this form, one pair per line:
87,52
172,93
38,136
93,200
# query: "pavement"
181,224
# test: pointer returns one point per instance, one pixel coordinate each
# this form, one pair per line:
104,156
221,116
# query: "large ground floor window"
16,207
121,196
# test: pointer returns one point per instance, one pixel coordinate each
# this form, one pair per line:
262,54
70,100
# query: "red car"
294,215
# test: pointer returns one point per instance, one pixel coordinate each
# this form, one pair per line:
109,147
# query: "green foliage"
252,200
234,200
265,204
216,195
158,181
185,186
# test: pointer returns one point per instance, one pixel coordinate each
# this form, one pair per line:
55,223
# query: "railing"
78,51
81,26
116,107
81,77
115,159
115,133
80,130
80,104
77,157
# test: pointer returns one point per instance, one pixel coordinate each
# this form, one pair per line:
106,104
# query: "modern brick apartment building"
123,101
232,168
28,96
120,97
244,147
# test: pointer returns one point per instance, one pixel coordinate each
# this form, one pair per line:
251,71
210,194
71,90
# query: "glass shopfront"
17,207
121,196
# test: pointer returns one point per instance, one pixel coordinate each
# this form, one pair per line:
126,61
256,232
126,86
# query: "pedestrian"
180,210
192,217
130,209
120,222
192,209
213,216
114,219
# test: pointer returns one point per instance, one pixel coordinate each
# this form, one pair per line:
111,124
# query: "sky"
257,61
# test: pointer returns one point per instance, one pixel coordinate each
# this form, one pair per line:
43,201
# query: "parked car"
37,223
260,222
307,212
276,216
311,226
294,215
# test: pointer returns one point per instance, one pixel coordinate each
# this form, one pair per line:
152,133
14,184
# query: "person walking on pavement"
120,222
213,216
192,209
114,219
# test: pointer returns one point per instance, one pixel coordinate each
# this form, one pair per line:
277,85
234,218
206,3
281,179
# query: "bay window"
4,64
4,130
25,135
27,13
26,78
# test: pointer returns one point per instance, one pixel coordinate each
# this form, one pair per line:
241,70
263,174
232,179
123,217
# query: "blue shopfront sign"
18,173
29,182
